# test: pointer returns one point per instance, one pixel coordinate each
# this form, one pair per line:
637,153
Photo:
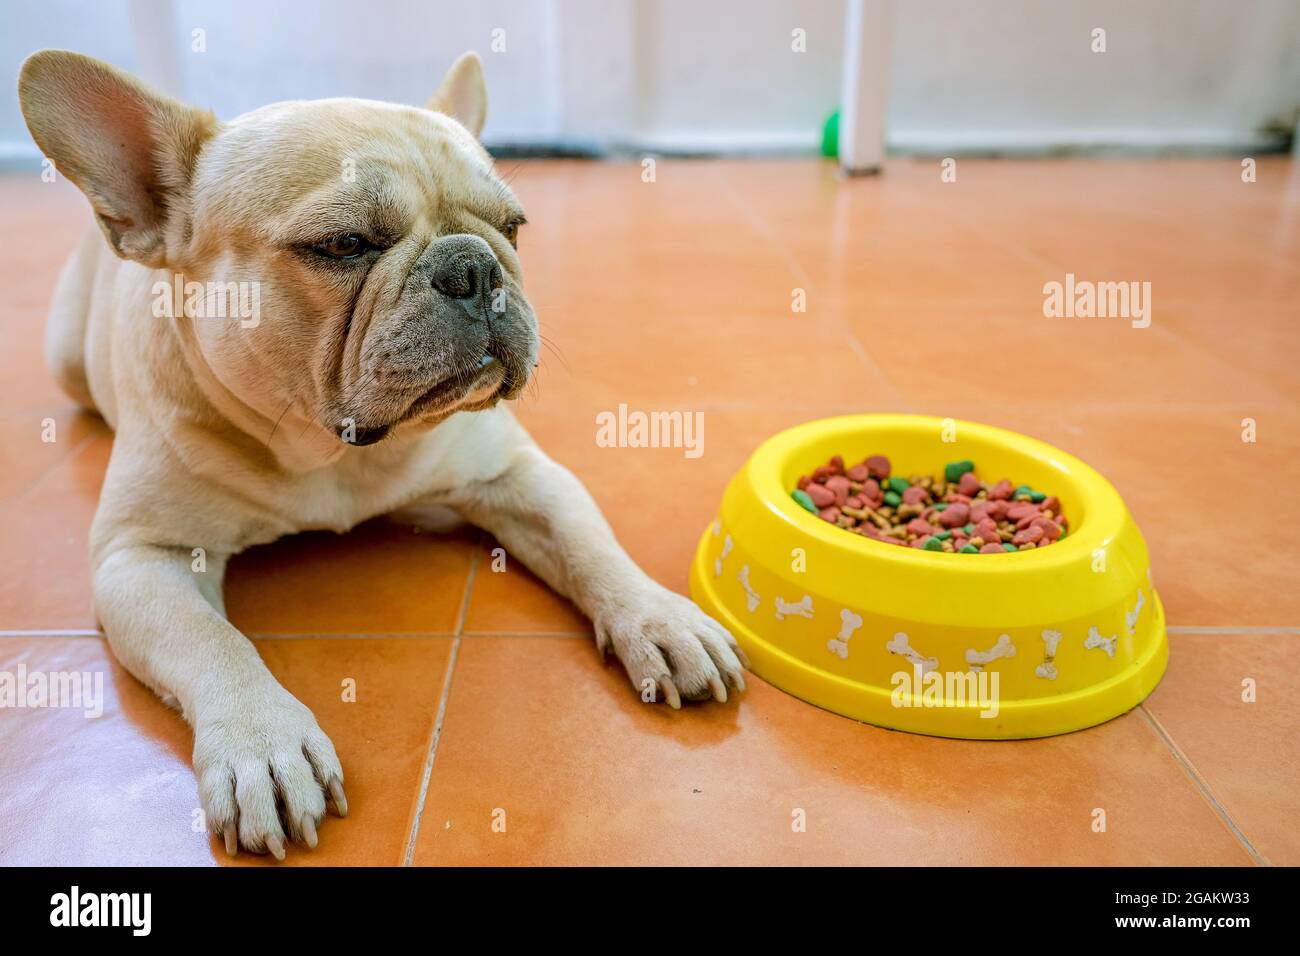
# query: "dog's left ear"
463,94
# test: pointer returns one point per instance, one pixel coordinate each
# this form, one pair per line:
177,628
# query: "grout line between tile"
360,635
772,237
317,635
70,632
860,351
463,611
764,231
408,854
582,634
30,490
1202,785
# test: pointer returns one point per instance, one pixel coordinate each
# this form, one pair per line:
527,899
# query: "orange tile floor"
480,692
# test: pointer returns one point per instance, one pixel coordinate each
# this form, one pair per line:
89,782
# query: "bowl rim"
1104,508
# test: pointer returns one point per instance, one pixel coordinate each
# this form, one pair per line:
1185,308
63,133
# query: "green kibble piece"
805,502
1037,496
892,499
969,529
955,469
941,506
942,535
1022,490
1064,532
969,549
1009,547
898,485
932,543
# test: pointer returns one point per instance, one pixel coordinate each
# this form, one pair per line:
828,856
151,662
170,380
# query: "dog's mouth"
487,380
453,390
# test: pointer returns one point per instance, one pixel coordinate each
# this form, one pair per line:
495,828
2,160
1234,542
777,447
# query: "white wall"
717,74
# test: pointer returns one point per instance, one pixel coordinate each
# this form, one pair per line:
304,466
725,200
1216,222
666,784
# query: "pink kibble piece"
954,516
838,485
1022,509
1002,491
1028,536
1051,530
915,495
878,466
821,496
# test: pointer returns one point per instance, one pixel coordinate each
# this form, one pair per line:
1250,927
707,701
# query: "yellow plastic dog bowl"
1021,644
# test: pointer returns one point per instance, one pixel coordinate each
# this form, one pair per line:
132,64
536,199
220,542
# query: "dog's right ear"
131,150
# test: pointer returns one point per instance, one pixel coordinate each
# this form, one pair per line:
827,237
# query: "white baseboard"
23,154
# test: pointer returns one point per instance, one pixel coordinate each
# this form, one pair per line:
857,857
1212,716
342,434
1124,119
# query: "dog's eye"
511,231
347,246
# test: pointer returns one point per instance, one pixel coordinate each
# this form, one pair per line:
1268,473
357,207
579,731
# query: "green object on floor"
831,136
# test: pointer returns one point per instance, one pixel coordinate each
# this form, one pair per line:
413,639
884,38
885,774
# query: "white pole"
864,86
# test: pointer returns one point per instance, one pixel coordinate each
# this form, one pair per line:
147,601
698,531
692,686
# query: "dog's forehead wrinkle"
286,151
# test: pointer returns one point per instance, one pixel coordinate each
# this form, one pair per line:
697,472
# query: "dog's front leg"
259,755
545,517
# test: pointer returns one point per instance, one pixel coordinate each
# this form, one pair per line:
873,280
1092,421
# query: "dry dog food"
955,511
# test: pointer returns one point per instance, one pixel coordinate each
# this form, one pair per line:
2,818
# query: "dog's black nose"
465,268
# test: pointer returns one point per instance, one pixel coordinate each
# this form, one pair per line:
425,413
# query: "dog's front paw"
669,646
263,765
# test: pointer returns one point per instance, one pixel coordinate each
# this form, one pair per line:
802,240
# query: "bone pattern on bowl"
898,636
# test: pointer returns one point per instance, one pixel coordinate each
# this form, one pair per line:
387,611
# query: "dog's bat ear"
130,149
463,94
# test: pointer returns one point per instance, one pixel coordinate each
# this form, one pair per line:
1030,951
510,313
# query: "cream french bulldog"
390,326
